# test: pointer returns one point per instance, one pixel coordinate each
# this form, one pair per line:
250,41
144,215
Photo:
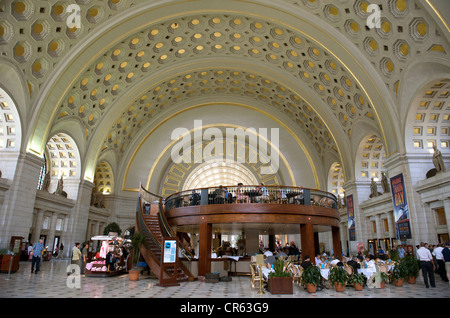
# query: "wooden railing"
251,194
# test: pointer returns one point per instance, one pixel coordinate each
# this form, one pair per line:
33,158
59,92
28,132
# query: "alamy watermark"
74,18
374,19
189,148
74,276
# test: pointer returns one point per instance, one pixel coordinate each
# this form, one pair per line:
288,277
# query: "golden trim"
302,146
438,13
224,11
288,167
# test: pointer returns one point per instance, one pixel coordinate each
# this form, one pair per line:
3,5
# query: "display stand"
169,260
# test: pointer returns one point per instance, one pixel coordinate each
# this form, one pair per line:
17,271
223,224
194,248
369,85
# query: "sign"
170,251
351,219
401,212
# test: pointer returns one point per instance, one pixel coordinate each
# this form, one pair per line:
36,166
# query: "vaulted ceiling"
132,64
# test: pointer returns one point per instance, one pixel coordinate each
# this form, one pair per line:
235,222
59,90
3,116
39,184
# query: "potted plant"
136,243
412,268
399,273
339,277
357,280
379,279
311,278
280,279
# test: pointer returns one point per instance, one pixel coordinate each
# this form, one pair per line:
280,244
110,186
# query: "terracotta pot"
339,287
411,280
398,282
311,288
358,287
134,274
382,285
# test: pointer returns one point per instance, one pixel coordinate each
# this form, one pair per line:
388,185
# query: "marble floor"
52,282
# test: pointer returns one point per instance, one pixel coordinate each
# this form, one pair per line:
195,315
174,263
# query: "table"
265,272
367,271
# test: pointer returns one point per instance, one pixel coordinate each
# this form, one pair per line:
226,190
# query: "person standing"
37,254
437,252
426,263
76,255
401,252
84,258
446,254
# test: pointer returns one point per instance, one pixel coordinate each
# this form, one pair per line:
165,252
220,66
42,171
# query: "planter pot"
382,285
398,282
280,285
311,288
411,280
5,263
339,287
358,287
134,274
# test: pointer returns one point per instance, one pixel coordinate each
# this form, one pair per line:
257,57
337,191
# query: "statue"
59,188
384,183
46,182
373,189
438,160
97,198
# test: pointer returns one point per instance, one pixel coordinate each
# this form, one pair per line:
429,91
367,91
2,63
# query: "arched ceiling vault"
350,72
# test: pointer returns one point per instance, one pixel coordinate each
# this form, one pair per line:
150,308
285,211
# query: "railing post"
204,197
306,197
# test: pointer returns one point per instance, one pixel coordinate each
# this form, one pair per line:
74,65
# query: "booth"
110,260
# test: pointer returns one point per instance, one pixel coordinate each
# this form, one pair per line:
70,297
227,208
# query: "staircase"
151,227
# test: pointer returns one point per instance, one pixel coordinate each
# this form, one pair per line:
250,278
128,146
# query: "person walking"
426,263
437,252
37,254
76,255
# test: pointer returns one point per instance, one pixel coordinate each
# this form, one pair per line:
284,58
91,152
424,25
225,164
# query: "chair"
383,268
256,277
348,269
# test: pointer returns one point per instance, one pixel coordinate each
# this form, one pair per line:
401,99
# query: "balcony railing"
246,194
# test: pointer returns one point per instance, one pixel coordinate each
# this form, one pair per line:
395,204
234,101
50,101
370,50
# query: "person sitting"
240,196
263,194
306,262
354,262
220,195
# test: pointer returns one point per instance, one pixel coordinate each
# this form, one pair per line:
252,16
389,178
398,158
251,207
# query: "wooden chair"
256,277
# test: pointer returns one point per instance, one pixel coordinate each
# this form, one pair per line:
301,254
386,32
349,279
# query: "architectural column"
80,213
36,232
336,241
204,253
16,214
447,213
307,240
379,225
51,233
391,224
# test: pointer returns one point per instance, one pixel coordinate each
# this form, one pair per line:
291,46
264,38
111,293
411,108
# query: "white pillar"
80,213
17,211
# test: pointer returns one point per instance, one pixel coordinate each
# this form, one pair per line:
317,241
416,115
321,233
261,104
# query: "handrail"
165,226
251,194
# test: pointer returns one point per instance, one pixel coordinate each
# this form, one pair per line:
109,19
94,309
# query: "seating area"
260,273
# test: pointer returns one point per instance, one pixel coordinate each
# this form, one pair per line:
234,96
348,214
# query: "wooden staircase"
152,223
155,227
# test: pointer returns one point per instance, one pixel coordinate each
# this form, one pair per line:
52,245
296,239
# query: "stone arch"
428,118
10,134
369,161
64,160
336,179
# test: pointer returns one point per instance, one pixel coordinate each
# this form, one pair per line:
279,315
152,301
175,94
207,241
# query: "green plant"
280,269
112,227
136,243
338,275
412,266
394,255
311,275
357,279
400,270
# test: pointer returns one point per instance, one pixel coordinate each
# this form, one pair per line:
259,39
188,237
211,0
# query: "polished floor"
52,282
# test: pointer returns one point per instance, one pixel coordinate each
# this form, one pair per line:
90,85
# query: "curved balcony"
252,204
